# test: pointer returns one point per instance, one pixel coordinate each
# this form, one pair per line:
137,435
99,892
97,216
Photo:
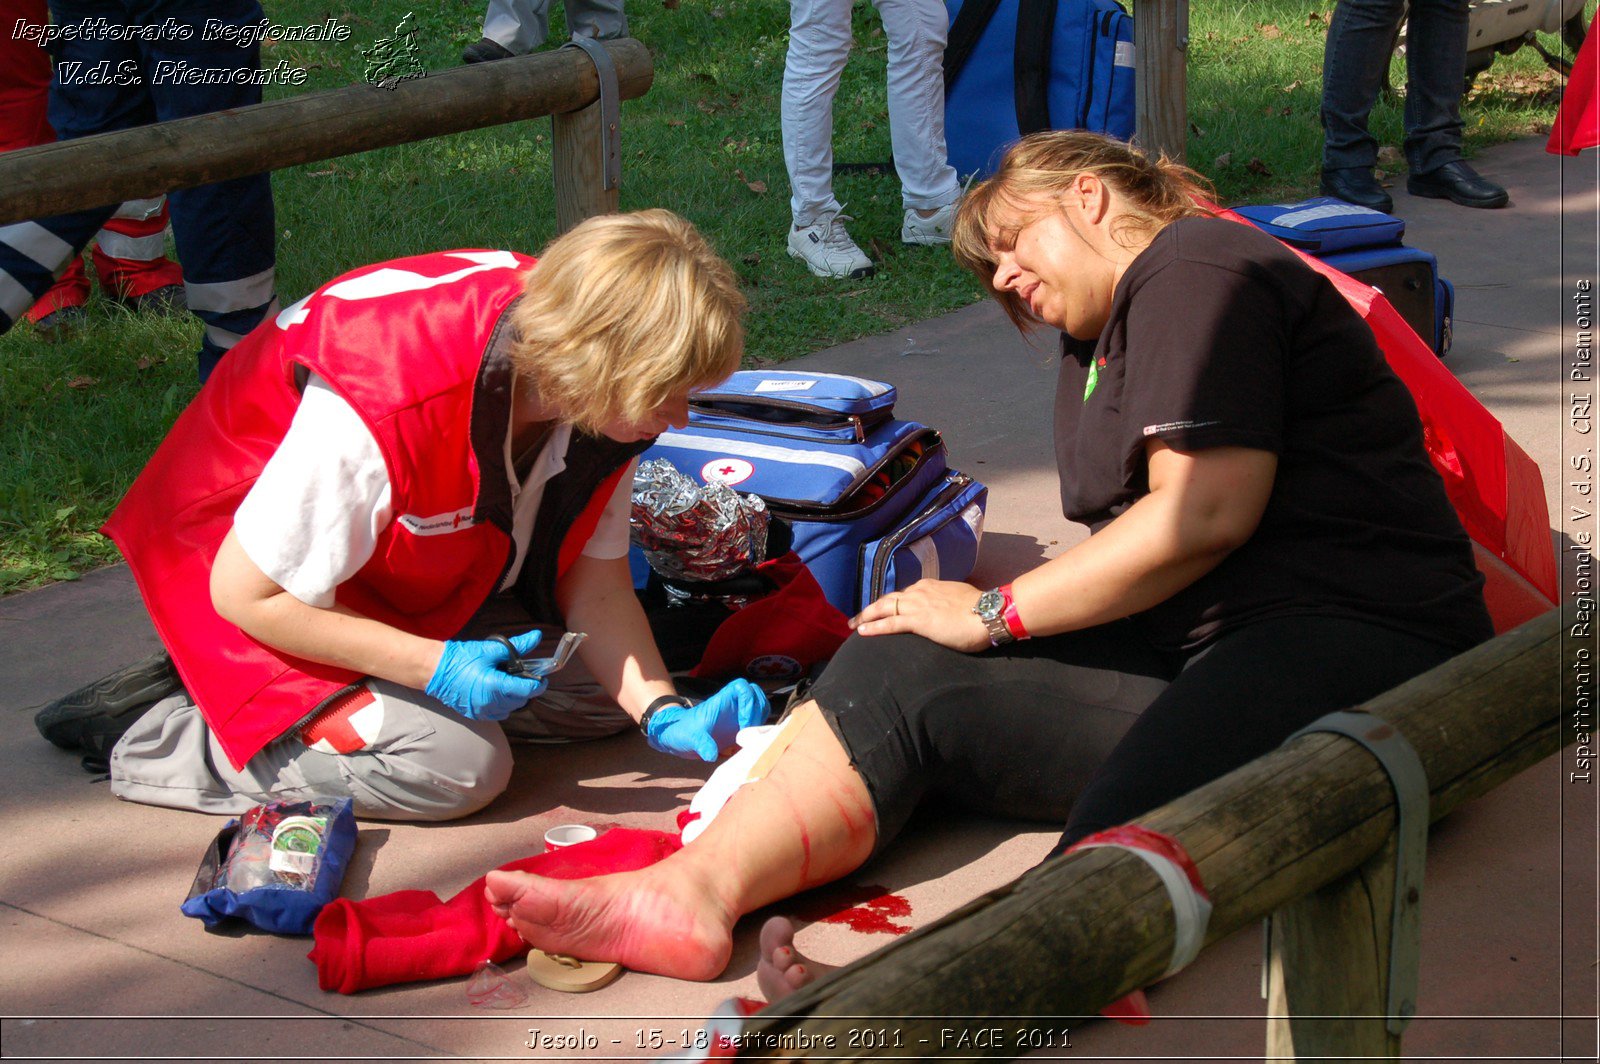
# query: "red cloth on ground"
411,935
1578,121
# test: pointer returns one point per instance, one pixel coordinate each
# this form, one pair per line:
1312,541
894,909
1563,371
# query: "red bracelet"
1012,618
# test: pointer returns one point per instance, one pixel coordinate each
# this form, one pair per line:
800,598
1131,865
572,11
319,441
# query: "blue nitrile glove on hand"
469,679
703,730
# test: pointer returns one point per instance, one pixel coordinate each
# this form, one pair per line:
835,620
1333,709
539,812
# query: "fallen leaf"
1196,130
758,187
674,122
670,5
707,108
1389,155
1270,31
1223,161
752,259
1293,85
1257,167
1315,17
148,363
82,382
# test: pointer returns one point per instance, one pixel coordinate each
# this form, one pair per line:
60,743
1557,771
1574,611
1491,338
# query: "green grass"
81,417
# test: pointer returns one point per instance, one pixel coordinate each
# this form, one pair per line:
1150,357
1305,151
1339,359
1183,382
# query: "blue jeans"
1357,56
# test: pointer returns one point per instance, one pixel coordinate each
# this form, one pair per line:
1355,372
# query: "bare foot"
650,921
782,969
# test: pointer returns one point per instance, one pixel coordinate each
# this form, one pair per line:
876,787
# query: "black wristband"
656,706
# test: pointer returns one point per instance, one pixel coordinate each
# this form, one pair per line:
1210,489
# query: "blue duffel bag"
872,503
1366,244
1014,67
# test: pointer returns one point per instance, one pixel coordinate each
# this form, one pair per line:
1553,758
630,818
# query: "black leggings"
1094,727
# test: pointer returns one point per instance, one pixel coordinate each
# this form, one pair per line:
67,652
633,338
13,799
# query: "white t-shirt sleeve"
610,539
312,519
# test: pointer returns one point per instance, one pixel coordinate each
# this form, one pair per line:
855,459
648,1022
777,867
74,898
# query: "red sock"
411,935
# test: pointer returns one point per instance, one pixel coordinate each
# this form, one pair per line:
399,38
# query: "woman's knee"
434,780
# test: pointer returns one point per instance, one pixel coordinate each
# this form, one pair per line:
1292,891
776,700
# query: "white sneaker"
934,229
827,250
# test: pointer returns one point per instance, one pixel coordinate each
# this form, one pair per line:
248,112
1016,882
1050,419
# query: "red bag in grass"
1577,124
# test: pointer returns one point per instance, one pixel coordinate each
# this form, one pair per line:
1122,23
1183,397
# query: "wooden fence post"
576,148
1161,93
1328,968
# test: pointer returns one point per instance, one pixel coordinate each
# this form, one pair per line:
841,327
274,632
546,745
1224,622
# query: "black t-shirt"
1218,336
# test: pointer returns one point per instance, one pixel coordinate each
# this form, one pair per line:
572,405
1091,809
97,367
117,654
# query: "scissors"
516,665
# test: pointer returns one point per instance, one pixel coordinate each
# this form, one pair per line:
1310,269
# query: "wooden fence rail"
150,160
1082,930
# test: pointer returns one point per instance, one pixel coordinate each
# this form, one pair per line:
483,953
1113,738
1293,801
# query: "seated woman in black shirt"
1269,544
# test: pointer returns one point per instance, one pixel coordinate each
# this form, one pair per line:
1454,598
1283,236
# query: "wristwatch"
659,704
991,610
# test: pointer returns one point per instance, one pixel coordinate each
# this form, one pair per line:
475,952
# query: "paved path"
100,963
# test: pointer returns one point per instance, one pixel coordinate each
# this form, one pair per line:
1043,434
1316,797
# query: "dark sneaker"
485,51
93,718
61,324
168,299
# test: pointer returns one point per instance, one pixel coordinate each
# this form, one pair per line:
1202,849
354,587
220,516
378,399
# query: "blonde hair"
623,312
1041,168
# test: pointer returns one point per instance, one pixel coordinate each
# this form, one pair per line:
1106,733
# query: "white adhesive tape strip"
1191,909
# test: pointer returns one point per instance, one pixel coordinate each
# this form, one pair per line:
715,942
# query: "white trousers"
819,44
522,25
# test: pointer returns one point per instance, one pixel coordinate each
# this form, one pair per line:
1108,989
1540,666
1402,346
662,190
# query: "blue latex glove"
469,679
704,730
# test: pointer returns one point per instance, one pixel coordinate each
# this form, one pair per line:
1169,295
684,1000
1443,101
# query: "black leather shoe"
1356,184
485,51
94,717
1458,183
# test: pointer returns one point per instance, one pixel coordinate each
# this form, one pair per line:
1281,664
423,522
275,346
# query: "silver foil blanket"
695,533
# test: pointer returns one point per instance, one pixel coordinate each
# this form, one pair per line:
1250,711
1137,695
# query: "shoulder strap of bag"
1036,24
970,22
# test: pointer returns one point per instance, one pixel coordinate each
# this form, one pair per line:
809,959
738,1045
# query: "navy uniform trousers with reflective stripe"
224,231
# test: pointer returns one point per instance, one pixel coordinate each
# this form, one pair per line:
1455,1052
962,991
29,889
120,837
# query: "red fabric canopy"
1578,122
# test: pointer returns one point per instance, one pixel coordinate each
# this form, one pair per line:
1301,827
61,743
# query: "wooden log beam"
1161,92
1085,929
150,160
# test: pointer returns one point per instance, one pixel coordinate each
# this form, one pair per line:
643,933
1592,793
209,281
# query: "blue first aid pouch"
1014,67
870,498
276,866
1366,244
1324,225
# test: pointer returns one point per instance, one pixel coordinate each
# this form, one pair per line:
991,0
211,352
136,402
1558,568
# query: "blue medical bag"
1366,244
1014,67
871,500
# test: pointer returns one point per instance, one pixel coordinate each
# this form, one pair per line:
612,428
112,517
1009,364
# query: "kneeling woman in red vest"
419,454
